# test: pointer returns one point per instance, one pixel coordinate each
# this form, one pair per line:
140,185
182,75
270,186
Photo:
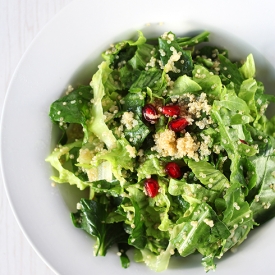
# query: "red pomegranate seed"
151,187
149,113
243,141
173,170
178,124
173,110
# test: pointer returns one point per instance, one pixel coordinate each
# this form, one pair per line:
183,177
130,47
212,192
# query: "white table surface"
20,21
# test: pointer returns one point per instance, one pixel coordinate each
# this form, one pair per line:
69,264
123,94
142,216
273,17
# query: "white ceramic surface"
67,52
20,22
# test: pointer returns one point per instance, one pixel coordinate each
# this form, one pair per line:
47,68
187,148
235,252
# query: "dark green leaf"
138,134
184,65
133,102
230,71
150,79
72,108
124,259
138,235
92,218
128,76
263,205
141,57
193,41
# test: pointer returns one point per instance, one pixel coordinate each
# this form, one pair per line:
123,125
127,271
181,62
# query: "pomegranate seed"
151,187
243,141
173,110
173,170
178,124
149,113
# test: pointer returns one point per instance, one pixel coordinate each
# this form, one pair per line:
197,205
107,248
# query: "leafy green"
192,41
151,166
72,108
181,68
65,175
124,259
208,82
184,84
97,124
230,71
146,79
141,57
248,69
264,200
137,237
92,218
208,175
121,49
219,183
119,158
200,230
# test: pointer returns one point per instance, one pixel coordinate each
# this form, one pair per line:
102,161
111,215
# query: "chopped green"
172,141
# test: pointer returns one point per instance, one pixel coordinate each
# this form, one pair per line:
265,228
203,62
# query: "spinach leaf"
150,78
192,41
138,134
92,218
184,84
72,108
133,102
230,71
124,259
181,59
128,76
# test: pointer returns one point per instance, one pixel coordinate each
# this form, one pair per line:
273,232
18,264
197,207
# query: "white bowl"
67,51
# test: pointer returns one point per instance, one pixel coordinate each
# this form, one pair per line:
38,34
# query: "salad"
172,143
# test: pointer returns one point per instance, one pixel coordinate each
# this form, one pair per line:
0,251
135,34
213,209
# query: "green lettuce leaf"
209,176
119,158
151,166
184,84
247,92
201,230
120,49
65,175
263,204
142,56
209,83
248,69
191,192
238,217
157,262
97,123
